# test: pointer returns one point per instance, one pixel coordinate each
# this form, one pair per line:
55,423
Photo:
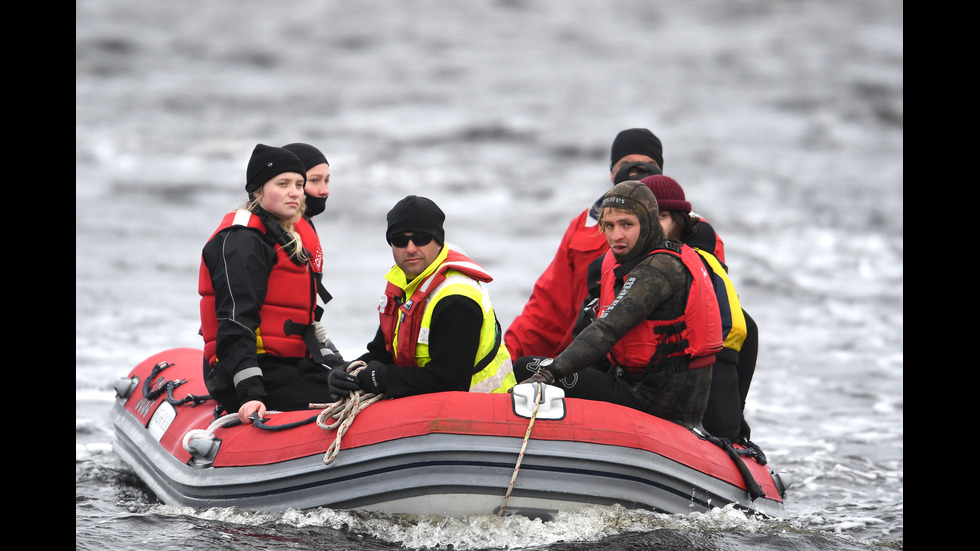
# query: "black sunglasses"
401,240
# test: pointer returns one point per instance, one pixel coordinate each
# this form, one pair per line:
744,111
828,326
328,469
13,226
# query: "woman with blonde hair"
258,285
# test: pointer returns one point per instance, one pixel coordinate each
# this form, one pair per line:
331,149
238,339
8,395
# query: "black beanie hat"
268,162
636,141
310,155
417,215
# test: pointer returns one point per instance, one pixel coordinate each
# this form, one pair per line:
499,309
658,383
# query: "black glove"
370,378
341,382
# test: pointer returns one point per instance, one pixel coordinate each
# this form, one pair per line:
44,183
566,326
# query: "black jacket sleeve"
239,261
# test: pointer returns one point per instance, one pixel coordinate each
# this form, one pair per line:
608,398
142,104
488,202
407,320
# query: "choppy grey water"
783,121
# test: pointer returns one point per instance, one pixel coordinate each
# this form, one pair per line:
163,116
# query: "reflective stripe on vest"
497,373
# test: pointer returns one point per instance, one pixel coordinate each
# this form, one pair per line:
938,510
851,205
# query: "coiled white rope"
343,412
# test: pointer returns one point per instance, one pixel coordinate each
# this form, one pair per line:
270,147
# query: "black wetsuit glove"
542,368
341,382
526,366
370,378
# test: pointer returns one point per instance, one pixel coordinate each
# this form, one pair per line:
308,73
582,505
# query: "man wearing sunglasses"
438,329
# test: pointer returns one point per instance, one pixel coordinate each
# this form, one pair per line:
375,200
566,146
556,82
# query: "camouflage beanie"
635,197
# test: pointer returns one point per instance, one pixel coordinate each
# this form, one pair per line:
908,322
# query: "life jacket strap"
308,332
493,352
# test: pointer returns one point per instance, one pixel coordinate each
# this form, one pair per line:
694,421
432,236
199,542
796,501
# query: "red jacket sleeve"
550,313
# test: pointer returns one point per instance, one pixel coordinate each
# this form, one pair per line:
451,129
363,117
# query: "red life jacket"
546,324
695,334
290,294
404,317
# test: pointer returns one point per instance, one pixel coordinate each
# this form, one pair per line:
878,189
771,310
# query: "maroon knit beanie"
669,194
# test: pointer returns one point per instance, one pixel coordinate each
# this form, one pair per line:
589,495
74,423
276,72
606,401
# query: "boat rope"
228,420
753,487
752,450
261,423
231,420
538,397
169,387
148,383
343,412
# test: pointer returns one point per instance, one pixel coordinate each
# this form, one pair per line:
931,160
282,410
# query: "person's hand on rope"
370,378
527,364
539,366
341,382
248,408
344,380
542,376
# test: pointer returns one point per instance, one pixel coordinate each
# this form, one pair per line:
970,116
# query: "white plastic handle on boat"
552,405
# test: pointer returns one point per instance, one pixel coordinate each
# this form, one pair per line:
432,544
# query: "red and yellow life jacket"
406,312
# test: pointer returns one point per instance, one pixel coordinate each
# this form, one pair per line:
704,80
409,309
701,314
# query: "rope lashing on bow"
231,420
163,385
343,412
538,398
208,434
